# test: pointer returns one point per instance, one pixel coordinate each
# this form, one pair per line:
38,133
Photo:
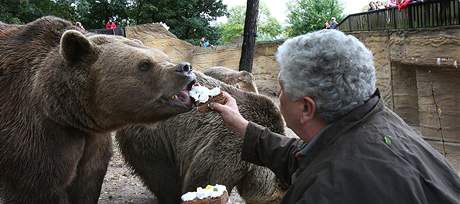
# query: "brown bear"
62,93
240,79
194,149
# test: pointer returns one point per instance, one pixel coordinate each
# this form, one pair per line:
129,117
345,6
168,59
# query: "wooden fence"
116,31
427,14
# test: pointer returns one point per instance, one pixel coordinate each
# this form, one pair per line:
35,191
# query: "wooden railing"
427,14
116,31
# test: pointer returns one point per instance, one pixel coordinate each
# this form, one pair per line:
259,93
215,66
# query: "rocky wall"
156,36
265,68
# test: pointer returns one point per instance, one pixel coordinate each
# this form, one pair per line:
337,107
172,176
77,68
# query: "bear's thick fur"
61,93
195,149
240,79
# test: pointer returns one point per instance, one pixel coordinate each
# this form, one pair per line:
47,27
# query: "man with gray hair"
352,149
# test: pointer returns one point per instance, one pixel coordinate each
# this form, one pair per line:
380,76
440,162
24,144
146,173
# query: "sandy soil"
121,185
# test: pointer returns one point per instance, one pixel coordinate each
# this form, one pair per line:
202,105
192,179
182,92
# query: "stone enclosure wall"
417,74
420,78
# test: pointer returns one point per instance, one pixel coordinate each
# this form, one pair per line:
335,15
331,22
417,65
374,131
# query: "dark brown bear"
61,93
195,149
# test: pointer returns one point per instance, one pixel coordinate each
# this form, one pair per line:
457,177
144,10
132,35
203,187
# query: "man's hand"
231,115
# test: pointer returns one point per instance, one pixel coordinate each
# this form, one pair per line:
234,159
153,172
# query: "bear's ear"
76,48
245,76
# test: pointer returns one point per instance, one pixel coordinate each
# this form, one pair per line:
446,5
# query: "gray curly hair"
335,69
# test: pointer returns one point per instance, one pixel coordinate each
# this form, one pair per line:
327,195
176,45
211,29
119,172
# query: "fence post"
458,11
394,19
368,22
409,15
349,24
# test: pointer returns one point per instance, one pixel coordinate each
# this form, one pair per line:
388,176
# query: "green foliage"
187,19
23,11
268,28
310,15
95,13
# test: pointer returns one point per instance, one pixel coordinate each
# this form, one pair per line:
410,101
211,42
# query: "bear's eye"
144,66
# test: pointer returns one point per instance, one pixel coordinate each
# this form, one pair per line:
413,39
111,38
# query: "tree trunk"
249,36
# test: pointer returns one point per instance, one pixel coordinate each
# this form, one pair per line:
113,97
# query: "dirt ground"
122,186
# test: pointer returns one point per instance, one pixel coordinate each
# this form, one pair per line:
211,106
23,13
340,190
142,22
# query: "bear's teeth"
174,97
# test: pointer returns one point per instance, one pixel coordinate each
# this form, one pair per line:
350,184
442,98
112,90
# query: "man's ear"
309,109
76,48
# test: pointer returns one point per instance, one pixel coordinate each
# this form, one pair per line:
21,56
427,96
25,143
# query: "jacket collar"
335,130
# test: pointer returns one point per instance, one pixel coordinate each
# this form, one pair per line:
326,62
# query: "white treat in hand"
202,94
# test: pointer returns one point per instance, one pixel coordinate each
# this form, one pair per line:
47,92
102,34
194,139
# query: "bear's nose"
184,67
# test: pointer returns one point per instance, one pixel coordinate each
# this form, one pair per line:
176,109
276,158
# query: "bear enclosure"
416,60
416,55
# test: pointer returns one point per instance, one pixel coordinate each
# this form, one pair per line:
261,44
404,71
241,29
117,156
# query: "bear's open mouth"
183,97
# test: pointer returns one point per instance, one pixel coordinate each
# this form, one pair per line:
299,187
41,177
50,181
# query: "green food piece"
387,139
215,189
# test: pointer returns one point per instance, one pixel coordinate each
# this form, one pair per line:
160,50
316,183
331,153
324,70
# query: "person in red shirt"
108,25
113,25
404,4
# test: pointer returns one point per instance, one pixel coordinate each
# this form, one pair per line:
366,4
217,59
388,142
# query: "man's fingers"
218,107
230,99
226,94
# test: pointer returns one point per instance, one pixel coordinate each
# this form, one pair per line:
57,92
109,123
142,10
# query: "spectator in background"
392,3
372,6
204,42
113,25
108,25
122,24
404,4
376,5
333,23
326,25
80,27
380,5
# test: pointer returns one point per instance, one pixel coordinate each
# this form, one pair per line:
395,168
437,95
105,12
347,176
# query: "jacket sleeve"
274,151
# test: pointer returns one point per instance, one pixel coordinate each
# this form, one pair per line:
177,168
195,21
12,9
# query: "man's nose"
184,67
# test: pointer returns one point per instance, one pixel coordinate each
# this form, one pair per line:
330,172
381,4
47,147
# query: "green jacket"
368,156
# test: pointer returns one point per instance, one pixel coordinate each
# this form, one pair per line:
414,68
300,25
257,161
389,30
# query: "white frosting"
188,196
202,94
203,193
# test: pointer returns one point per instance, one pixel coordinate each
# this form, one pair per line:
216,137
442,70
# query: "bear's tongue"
184,98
